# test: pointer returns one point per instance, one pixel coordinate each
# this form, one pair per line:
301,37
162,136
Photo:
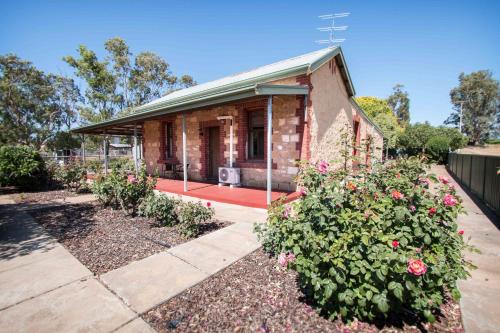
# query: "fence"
478,173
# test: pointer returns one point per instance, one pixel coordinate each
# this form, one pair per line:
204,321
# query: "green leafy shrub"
118,190
21,166
370,243
191,215
94,166
72,175
438,148
121,163
162,208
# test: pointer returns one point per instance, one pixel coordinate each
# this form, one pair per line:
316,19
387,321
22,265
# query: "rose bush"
372,242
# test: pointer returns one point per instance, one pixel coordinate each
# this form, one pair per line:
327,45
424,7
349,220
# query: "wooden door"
213,152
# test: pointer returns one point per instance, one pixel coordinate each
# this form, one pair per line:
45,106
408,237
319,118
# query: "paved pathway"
481,293
43,288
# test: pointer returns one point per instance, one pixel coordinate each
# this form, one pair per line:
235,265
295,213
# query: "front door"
213,152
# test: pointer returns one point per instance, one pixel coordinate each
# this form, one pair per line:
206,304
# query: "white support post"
83,148
184,152
269,146
231,144
105,144
134,153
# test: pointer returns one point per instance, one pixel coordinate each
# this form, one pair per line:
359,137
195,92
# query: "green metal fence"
478,173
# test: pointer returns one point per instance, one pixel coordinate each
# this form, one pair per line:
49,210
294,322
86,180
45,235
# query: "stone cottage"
261,121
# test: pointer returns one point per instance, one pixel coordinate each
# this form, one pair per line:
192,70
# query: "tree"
33,105
380,113
101,97
478,94
399,103
115,86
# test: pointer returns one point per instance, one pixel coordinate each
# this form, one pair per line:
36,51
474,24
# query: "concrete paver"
480,293
84,306
148,282
136,326
43,288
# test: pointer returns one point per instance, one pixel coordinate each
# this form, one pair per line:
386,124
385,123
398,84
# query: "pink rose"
396,195
286,212
449,200
443,179
133,180
395,243
290,257
412,208
425,181
303,192
432,211
282,260
416,267
460,232
209,204
323,167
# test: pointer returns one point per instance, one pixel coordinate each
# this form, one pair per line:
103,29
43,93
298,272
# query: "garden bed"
42,196
104,239
256,295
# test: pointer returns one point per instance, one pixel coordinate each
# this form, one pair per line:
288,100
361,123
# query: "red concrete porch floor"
243,196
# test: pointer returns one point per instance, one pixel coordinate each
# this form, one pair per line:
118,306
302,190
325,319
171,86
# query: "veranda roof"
231,88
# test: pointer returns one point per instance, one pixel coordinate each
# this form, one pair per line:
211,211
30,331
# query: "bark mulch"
41,197
104,239
255,295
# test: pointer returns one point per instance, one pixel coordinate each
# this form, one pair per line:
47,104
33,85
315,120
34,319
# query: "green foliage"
118,83
122,163
94,166
33,105
415,139
162,208
191,216
64,140
399,102
118,190
370,243
478,93
381,114
21,166
72,175
437,148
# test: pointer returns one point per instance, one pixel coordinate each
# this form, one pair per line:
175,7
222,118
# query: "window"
256,135
356,137
169,140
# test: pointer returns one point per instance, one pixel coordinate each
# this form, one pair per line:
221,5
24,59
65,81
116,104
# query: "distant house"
309,99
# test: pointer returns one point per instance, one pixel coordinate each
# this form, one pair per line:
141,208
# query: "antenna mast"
331,41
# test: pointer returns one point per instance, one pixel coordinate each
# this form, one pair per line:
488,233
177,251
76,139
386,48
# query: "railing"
478,173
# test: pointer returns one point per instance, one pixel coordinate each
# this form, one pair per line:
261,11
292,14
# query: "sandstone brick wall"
332,114
286,140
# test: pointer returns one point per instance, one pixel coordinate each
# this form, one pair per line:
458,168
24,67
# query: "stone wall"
286,139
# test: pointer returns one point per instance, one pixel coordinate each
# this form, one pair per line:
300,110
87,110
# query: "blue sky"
421,44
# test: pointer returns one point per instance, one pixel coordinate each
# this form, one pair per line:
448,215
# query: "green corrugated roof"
238,86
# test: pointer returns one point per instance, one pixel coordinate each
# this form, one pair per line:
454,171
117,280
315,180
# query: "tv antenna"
331,41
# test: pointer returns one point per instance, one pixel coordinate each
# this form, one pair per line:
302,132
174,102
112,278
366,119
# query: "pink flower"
290,257
418,249
133,180
323,167
398,175
443,179
425,181
396,195
432,211
449,200
286,212
367,215
395,243
460,232
303,192
416,267
351,186
282,260
452,187
412,208
209,204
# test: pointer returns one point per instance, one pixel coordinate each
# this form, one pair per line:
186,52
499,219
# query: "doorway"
213,152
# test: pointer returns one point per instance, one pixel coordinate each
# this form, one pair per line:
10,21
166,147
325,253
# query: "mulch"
104,239
256,295
41,197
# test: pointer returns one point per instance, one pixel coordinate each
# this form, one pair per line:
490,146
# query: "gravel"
255,295
104,239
